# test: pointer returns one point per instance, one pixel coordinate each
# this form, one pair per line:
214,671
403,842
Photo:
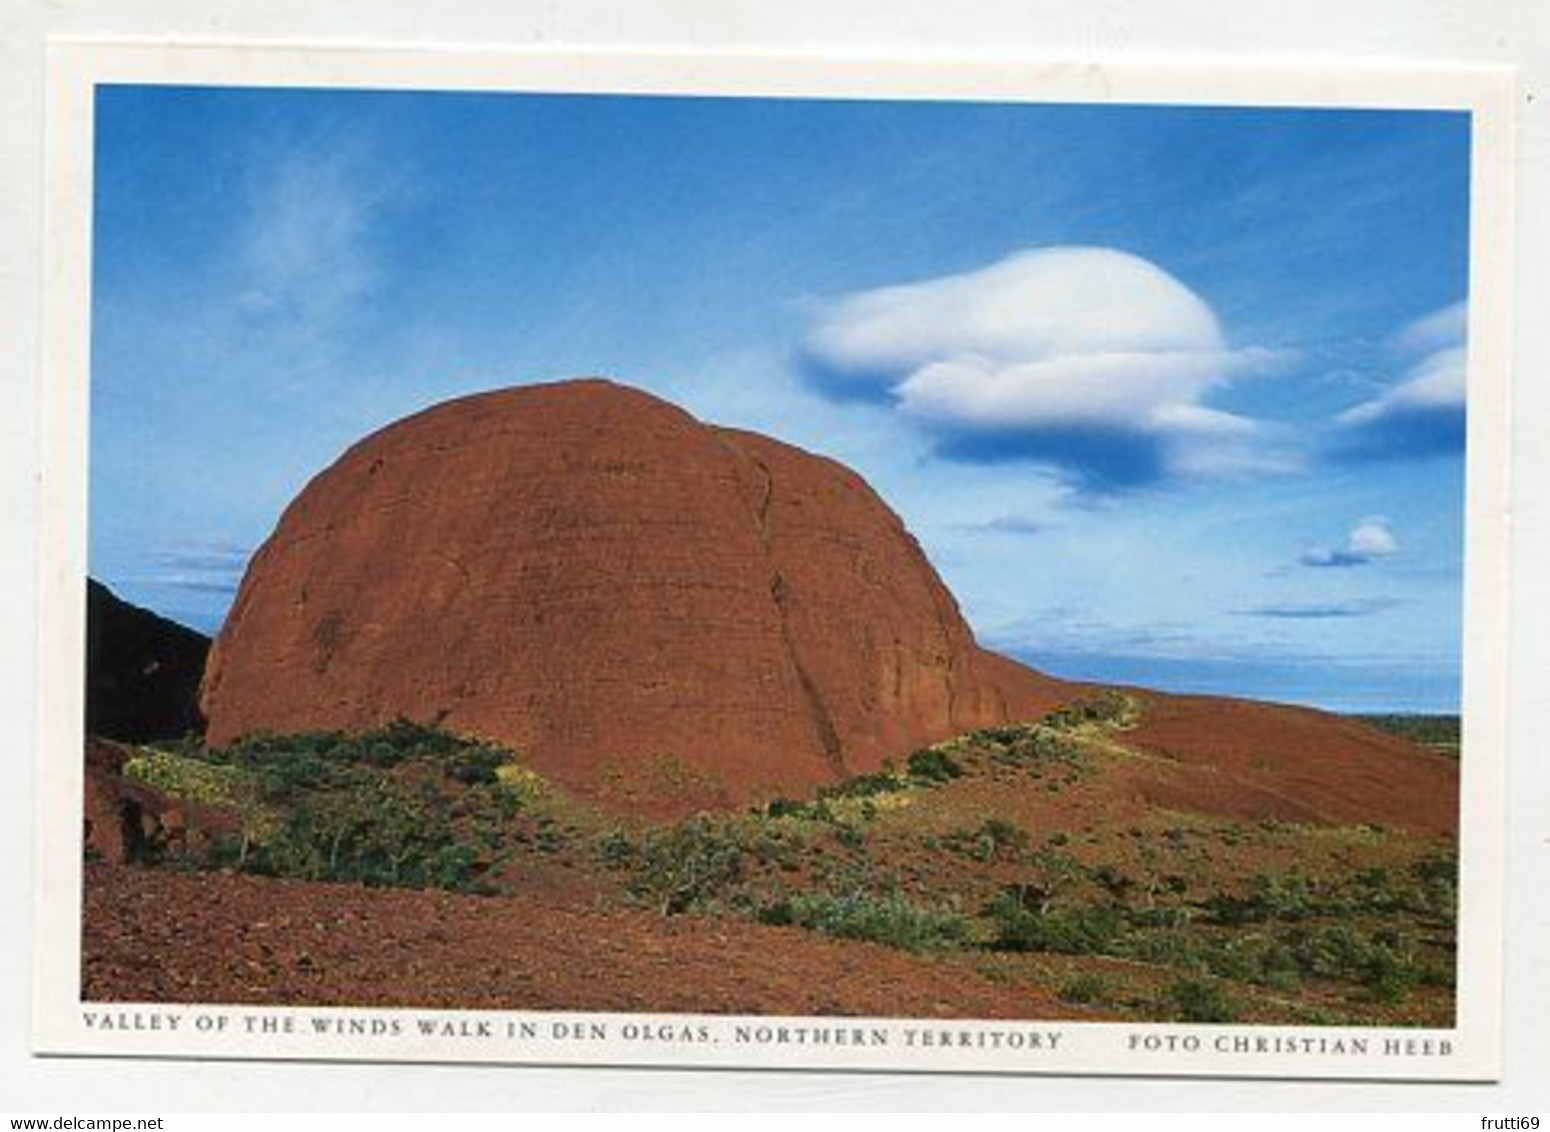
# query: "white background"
1322,31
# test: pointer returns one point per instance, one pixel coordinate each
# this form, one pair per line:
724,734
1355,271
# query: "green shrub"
376,830
1385,962
1161,916
688,866
1435,975
849,836
405,804
993,836
1438,733
1084,989
1019,924
1053,745
1199,1000
865,786
615,849
1288,897
1116,882
191,779
1110,708
1007,736
932,764
1436,887
1256,958
887,918
1167,948
1003,834
777,911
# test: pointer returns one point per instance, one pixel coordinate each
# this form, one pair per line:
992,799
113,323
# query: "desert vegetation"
402,805
1009,854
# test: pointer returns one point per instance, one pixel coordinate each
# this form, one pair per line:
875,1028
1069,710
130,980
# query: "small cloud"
1075,629
306,262
1296,611
203,584
218,557
1324,556
306,258
1370,540
1372,537
214,568
1088,360
1423,414
1008,525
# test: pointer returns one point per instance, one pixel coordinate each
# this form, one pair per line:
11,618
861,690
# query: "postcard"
716,560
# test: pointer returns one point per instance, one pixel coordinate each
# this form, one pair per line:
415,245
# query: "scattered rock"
128,822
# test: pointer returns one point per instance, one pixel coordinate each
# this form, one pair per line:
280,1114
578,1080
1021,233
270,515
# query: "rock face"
657,613
143,671
127,821
115,812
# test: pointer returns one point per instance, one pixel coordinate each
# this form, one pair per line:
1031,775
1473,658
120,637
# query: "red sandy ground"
1246,759
161,936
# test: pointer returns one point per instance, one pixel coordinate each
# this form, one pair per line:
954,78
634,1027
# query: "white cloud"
1050,344
304,263
1437,382
1071,389
1370,539
1039,304
1423,412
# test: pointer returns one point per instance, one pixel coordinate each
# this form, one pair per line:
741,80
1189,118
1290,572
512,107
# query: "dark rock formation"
142,671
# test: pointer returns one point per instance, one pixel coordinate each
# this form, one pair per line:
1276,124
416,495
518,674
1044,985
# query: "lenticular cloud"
1090,360
1423,413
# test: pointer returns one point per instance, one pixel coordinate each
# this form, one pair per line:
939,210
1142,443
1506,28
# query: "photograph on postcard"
701,556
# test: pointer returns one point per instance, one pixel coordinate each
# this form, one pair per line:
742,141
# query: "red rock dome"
658,613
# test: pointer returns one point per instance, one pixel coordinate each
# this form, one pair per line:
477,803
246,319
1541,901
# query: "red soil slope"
656,613
1255,760
153,935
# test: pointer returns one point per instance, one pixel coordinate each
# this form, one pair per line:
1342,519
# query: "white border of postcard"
62,1024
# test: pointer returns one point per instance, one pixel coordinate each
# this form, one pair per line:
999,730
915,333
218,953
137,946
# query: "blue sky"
1170,395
